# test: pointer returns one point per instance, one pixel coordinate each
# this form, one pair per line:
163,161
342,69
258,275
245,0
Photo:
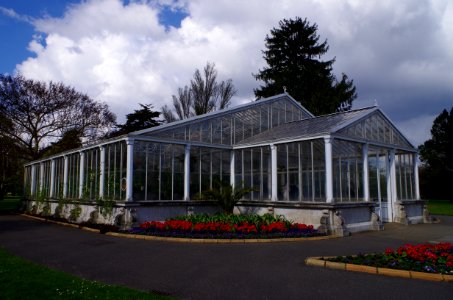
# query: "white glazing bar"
187,173
274,196
81,174
328,159
33,181
366,186
392,184
102,172
232,170
65,177
41,177
129,166
299,175
52,178
417,184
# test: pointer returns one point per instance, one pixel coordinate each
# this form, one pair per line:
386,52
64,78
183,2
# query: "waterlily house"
346,171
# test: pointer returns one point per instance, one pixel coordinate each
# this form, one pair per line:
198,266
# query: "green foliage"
254,219
226,196
105,206
46,209
140,119
40,198
293,57
436,175
75,213
70,139
21,279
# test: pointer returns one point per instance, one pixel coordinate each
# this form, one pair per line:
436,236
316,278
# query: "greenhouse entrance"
379,181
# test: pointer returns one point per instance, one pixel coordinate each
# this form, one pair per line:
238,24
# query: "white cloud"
399,53
12,14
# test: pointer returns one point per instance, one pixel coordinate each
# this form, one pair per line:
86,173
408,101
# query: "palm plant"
226,195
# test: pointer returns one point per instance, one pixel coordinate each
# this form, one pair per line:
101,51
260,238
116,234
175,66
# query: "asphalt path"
225,271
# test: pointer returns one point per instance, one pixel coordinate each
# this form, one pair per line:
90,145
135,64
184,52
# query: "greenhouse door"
379,181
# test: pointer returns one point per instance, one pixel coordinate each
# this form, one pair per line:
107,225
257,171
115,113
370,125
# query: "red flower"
388,251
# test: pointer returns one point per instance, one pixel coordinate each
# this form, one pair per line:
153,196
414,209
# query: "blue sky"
17,34
399,53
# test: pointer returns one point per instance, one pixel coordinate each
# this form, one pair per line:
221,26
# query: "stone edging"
217,241
318,262
186,240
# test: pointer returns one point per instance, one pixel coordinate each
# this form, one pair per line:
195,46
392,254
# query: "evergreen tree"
140,119
70,139
293,57
437,155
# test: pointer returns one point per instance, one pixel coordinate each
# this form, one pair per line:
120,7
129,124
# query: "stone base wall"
332,218
411,212
122,214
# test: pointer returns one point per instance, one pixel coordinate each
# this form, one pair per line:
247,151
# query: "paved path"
224,271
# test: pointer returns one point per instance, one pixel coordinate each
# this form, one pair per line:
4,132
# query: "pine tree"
140,119
293,57
437,155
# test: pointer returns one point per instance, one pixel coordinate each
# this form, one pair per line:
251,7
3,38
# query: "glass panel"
27,181
195,165
282,173
178,169
140,159
115,171
59,178
256,174
266,173
73,175
247,169
347,161
293,172
90,189
376,128
404,175
166,178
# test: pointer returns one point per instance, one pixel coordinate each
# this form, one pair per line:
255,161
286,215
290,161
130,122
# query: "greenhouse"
346,171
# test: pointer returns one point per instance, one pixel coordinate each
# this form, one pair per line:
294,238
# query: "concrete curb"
187,240
216,241
320,262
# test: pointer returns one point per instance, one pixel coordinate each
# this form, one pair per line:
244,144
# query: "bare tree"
183,103
204,95
167,114
226,92
42,112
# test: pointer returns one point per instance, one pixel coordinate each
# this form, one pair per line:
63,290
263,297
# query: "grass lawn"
10,204
21,279
440,207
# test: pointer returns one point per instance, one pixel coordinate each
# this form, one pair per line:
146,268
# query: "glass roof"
367,125
233,125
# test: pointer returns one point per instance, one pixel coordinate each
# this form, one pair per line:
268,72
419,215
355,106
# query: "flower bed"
430,258
226,227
